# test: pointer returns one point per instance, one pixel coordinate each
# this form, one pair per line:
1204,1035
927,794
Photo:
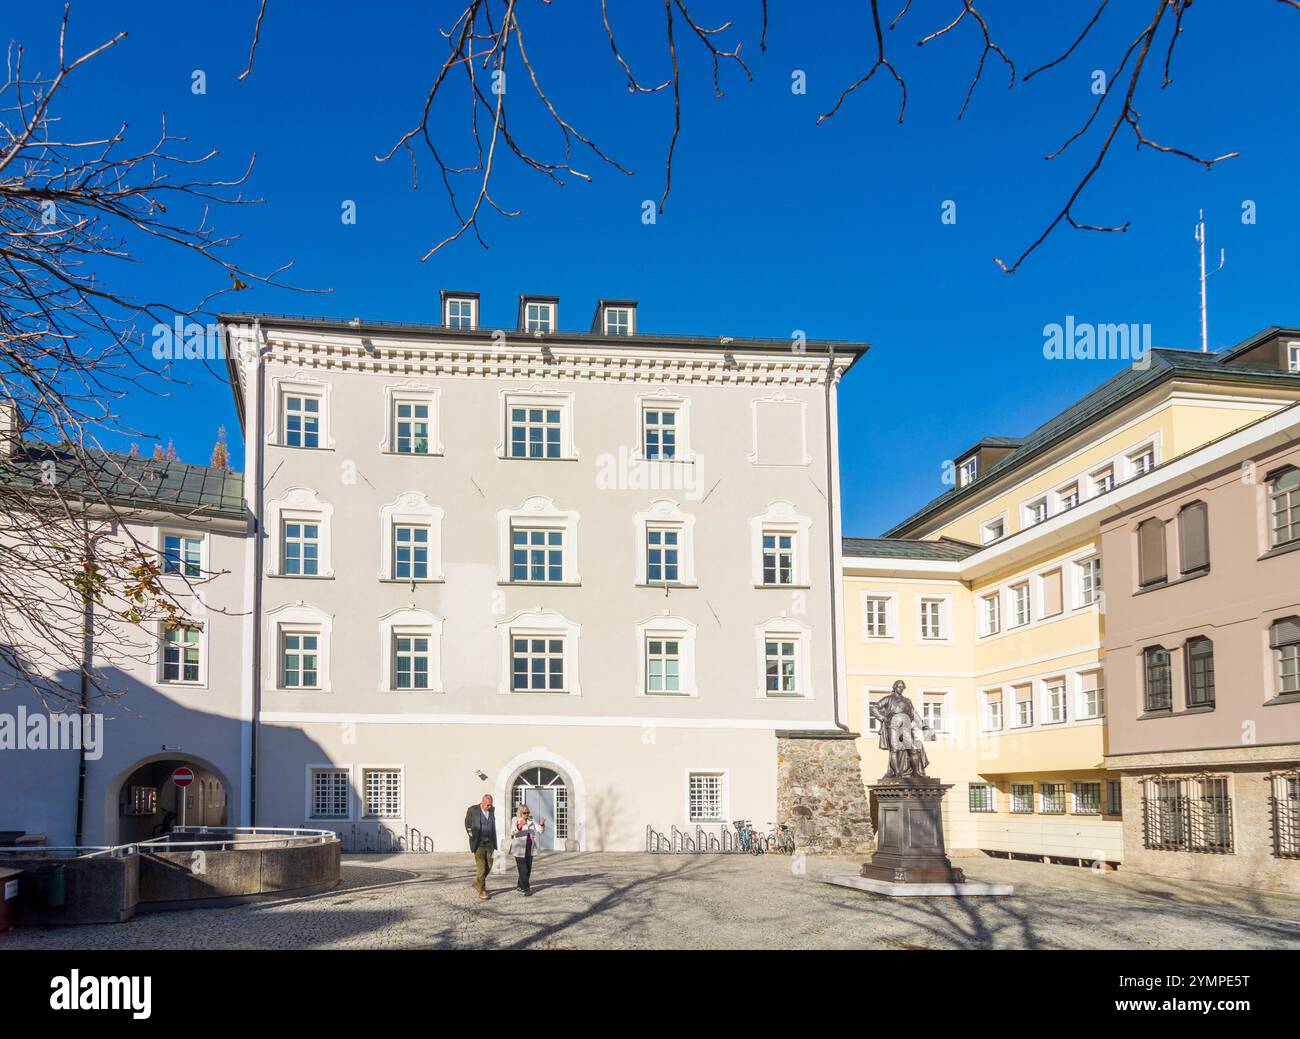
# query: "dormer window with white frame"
618,319
1293,357
538,316
459,311
780,547
967,470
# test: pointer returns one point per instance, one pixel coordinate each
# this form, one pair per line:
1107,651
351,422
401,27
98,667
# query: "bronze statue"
898,724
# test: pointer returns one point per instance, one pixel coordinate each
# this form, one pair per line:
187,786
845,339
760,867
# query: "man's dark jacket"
473,827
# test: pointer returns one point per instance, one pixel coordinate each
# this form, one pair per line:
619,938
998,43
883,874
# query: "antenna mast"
1200,238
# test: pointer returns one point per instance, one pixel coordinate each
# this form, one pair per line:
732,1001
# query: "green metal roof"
1126,386
120,480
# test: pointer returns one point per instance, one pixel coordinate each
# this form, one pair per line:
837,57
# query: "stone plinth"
819,791
909,844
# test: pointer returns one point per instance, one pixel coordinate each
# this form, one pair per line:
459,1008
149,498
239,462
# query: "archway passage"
547,795
150,804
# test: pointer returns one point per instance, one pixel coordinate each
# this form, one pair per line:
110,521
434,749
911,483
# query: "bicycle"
782,842
751,841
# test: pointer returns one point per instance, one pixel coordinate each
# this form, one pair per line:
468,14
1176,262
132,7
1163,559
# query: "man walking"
481,828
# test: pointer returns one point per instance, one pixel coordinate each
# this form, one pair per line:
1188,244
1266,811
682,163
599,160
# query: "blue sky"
773,224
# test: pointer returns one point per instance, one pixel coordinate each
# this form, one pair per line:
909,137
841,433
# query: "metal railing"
212,838
362,840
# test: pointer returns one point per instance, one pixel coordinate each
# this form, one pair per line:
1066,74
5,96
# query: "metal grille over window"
1053,798
981,797
705,797
383,788
1188,815
329,793
1114,798
1285,803
1087,799
1022,798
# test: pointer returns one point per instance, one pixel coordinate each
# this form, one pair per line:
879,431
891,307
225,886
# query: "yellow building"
988,601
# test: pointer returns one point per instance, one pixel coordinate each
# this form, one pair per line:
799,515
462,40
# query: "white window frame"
1090,564
1132,456
891,616
1293,357
785,629
1082,712
985,531
608,310
362,772
299,383
538,397
665,627
1030,509
781,517
473,311
199,683
967,471
991,626
412,392
665,514
551,316
541,624
160,546
869,698
1060,683
724,795
930,699
1016,701
664,400
414,622
298,505
309,811
410,509
944,603
538,513
298,618
992,697
1063,497
298,631
1016,602
1108,471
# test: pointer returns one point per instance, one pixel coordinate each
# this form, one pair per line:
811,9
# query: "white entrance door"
541,803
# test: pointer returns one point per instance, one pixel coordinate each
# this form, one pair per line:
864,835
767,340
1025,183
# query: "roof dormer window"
538,314
459,309
967,470
615,317
1293,357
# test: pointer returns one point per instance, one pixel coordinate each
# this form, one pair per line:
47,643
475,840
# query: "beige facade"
1202,622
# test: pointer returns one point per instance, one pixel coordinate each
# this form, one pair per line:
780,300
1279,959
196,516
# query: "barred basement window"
1022,798
383,791
1087,799
705,797
1052,798
1188,815
1286,816
1114,798
329,793
982,797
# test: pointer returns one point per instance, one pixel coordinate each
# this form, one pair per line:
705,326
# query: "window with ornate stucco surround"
412,392
538,396
789,630
411,508
662,399
540,623
409,620
298,504
665,514
538,513
300,381
667,627
297,618
780,517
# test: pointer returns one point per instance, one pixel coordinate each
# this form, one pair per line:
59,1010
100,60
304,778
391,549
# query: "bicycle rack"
702,842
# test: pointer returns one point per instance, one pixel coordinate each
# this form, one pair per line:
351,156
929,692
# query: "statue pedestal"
909,834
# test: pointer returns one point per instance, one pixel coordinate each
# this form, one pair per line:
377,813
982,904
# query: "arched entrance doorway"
149,803
547,796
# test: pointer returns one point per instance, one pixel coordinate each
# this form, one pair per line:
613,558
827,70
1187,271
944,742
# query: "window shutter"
1052,597
1194,537
1090,681
1151,552
1286,632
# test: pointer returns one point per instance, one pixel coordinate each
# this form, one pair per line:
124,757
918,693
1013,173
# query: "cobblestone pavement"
651,901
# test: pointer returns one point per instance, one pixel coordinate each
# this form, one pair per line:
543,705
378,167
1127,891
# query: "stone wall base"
820,794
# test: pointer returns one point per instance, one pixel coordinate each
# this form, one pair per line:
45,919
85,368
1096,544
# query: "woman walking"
523,843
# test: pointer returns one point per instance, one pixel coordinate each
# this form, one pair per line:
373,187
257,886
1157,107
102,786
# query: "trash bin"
52,884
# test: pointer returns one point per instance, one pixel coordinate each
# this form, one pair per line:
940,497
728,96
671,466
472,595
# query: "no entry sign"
183,777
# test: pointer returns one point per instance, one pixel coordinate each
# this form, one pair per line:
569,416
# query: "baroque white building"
598,571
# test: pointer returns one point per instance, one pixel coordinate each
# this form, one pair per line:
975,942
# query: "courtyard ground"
596,900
